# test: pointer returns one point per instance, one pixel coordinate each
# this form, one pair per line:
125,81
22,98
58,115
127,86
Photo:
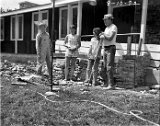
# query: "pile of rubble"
14,71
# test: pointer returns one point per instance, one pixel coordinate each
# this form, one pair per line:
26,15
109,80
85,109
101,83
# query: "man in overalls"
43,48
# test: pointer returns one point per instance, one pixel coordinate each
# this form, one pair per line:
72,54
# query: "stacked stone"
125,71
141,63
132,70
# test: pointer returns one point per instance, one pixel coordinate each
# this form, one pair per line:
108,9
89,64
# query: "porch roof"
58,3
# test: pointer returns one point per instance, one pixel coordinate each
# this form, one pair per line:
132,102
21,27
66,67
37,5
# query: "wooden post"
52,44
110,8
143,25
52,30
79,24
129,45
16,34
69,18
129,41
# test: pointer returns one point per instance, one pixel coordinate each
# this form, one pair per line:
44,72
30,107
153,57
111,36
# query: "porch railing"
129,41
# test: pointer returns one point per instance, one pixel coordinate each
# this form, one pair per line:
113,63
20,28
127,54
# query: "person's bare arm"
107,37
38,44
50,44
99,47
79,42
66,42
90,50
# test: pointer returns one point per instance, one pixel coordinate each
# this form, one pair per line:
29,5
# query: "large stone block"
152,76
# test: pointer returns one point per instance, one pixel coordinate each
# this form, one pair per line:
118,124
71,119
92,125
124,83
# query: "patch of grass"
22,106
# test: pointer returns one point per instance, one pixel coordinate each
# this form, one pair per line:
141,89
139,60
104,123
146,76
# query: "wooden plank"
129,39
145,47
153,49
119,52
122,46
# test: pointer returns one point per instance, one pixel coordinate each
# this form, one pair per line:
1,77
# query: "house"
18,29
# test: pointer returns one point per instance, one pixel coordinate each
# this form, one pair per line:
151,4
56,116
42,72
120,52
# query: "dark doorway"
124,19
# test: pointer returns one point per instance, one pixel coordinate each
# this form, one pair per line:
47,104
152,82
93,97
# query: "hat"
108,16
73,26
42,23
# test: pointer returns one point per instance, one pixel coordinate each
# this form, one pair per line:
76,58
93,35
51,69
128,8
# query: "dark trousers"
108,60
70,62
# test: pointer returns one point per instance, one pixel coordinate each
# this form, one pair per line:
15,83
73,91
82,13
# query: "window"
63,22
20,27
37,17
13,23
74,12
34,27
63,19
17,27
2,29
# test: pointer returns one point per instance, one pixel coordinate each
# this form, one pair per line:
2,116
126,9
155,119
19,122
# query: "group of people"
106,39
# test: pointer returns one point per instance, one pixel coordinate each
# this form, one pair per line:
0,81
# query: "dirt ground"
26,106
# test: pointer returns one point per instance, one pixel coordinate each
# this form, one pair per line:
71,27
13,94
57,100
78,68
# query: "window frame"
32,32
72,7
39,19
17,27
71,16
60,20
2,39
12,39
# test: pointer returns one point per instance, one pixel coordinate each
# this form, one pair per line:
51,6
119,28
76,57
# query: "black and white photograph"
80,62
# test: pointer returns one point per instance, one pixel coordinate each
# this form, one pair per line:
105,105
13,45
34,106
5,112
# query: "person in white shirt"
94,57
72,44
109,44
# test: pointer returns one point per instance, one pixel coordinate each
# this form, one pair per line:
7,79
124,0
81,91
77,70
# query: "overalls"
43,51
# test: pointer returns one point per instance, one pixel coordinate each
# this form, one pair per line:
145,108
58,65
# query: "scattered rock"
153,91
19,83
155,87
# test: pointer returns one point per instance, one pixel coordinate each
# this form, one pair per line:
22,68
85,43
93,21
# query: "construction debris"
21,74
27,72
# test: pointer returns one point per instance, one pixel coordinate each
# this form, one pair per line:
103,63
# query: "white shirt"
109,31
72,42
95,44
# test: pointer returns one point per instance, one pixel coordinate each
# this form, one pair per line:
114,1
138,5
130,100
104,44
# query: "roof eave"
42,7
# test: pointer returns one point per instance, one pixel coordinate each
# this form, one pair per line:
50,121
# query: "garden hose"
134,113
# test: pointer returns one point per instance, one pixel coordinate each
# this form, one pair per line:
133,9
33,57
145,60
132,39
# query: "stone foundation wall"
132,70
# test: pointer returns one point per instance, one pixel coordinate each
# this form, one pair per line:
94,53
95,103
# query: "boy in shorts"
72,44
94,57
